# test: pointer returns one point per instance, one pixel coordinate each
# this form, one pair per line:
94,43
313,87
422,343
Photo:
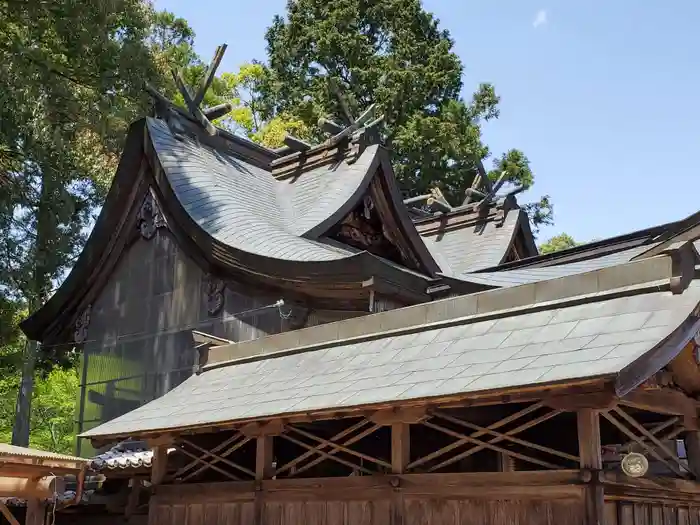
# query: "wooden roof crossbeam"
194,100
355,127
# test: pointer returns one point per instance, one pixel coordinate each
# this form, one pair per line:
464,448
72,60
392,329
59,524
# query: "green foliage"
392,53
557,243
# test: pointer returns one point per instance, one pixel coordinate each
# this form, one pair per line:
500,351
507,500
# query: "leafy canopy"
393,53
558,243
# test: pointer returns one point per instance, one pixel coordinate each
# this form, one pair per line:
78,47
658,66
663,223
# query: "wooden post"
36,512
263,458
590,457
692,450
133,499
400,447
159,466
8,514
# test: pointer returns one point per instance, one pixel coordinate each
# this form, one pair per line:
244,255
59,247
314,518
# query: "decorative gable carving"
150,216
215,295
80,333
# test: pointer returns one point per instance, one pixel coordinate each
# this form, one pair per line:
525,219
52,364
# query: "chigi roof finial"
193,100
352,129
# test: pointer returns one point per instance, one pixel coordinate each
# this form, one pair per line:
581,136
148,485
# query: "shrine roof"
623,323
481,243
515,277
245,207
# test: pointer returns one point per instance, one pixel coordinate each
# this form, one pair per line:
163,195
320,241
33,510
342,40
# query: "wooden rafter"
468,440
506,437
234,443
486,444
313,452
641,439
326,455
219,457
207,464
340,448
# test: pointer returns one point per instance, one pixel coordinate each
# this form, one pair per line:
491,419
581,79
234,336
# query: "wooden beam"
209,75
8,515
263,458
400,447
27,487
408,415
595,400
271,428
664,401
159,465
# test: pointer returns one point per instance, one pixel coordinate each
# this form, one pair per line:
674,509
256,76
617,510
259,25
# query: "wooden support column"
590,455
263,458
400,447
8,514
692,450
36,512
159,466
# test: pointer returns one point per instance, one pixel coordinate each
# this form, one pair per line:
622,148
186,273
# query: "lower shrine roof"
624,323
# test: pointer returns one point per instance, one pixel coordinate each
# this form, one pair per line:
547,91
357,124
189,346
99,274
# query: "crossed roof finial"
194,100
354,127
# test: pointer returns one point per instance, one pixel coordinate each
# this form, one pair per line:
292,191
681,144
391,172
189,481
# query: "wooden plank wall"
638,513
417,511
467,499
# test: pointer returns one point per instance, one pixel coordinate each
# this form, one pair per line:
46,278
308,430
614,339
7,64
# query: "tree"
71,80
557,243
392,53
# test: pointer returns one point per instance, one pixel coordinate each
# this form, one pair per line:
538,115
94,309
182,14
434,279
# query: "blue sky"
603,97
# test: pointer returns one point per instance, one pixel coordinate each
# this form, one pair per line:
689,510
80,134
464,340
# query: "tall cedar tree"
71,80
393,53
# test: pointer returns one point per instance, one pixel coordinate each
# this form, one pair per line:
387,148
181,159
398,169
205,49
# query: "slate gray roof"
562,343
245,207
474,247
507,278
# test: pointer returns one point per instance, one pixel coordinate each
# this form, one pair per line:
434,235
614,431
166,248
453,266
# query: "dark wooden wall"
139,339
651,513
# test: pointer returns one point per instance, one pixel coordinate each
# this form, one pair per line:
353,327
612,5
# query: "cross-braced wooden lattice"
213,459
475,441
321,449
650,440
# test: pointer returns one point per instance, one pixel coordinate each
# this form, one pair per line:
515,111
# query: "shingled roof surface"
507,278
245,207
476,246
560,340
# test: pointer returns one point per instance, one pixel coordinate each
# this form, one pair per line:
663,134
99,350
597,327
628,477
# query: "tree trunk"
37,293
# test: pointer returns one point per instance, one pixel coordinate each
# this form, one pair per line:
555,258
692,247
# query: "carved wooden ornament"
150,217
82,323
215,295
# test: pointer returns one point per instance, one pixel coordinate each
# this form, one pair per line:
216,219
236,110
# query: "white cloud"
540,18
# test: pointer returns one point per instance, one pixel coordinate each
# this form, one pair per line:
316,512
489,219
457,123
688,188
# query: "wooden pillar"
36,512
692,450
400,447
590,458
263,458
8,514
159,465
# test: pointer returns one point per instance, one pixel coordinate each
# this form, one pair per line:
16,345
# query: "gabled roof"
237,218
246,208
620,323
469,239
